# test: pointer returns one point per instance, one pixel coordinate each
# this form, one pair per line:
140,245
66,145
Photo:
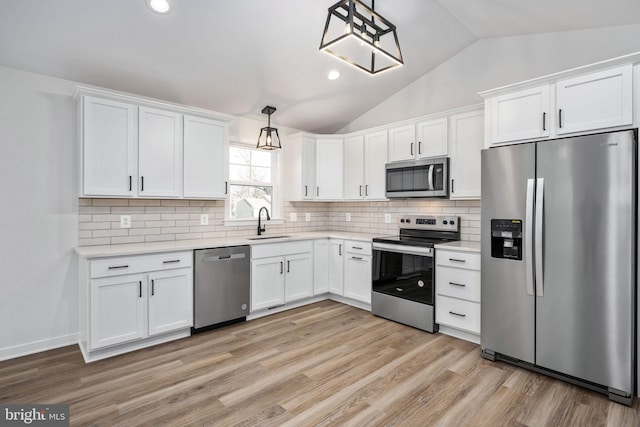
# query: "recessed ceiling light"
159,6
333,74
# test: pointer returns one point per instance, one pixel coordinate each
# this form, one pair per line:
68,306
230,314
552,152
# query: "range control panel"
430,222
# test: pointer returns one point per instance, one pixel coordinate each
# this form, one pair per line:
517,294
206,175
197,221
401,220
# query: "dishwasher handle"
227,257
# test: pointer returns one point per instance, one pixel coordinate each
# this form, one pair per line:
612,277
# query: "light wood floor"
323,364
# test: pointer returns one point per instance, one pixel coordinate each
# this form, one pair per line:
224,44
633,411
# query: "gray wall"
491,63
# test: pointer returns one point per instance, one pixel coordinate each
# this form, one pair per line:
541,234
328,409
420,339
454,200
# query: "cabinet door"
320,266
328,169
402,143
160,153
205,158
170,300
433,138
117,310
595,101
467,139
298,282
267,283
375,159
357,277
354,168
109,148
336,263
308,168
520,115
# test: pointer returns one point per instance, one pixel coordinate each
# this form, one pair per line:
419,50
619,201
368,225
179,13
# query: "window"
251,182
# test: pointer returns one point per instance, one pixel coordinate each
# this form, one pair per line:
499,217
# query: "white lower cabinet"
458,292
357,271
336,266
320,266
281,273
128,303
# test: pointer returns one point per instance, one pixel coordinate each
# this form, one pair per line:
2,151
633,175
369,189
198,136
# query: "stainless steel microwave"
418,178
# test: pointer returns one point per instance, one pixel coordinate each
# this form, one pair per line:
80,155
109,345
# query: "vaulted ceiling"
237,56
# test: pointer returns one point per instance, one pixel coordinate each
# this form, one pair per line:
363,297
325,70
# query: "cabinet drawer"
458,283
355,247
470,260
458,314
140,263
266,250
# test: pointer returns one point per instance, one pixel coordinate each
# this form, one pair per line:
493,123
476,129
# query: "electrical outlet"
307,217
125,221
204,219
387,218
293,217
348,217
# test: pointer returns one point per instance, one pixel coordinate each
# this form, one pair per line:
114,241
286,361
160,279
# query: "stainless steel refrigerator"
559,259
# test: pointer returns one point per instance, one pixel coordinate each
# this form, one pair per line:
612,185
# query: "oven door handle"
403,249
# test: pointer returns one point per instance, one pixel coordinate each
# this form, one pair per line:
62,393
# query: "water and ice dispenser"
506,238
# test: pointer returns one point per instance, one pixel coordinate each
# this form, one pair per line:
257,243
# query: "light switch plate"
293,217
204,219
387,218
307,217
125,221
348,217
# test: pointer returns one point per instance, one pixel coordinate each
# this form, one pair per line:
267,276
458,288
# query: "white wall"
491,63
38,213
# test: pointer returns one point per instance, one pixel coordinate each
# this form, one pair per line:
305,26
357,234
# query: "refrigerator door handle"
539,234
528,237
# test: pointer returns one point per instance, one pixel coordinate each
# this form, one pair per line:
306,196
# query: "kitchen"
43,214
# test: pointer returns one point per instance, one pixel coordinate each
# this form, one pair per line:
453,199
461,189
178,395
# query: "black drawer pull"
457,284
356,258
457,260
140,289
116,267
153,287
356,247
171,261
457,314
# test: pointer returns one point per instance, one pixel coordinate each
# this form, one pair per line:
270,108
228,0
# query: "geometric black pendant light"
269,138
356,34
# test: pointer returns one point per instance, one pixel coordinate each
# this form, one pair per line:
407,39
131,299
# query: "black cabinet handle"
140,289
412,148
457,260
366,190
288,267
457,284
452,190
142,183
340,249
226,187
305,191
419,147
317,191
130,183
281,267
116,267
361,190
171,261
357,247
544,121
356,258
457,314
153,287
560,117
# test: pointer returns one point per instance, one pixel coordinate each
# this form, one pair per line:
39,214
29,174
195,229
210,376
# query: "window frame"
276,188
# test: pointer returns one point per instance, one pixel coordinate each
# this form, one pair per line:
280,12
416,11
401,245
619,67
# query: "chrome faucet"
262,229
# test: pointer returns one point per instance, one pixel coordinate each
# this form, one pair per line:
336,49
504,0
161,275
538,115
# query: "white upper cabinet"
329,157
467,139
520,115
354,168
110,147
205,158
308,168
433,140
375,159
300,168
595,101
402,143
160,153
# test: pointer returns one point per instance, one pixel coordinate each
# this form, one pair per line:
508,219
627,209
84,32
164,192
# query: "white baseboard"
457,333
37,346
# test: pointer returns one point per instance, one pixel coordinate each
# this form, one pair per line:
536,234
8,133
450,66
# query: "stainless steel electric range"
403,287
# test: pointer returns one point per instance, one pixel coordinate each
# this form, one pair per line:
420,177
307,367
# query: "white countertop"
186,245
461,245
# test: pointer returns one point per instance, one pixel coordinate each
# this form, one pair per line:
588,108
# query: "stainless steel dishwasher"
222,286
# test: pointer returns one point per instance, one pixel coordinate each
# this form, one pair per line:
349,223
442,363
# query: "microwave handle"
430,176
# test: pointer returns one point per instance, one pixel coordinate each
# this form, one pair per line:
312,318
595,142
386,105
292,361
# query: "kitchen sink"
267,237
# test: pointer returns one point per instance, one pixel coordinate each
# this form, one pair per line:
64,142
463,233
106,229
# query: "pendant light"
356,34
271,139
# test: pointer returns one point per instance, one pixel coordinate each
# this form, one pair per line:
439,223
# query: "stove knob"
408,221
402,220
444,222
451,223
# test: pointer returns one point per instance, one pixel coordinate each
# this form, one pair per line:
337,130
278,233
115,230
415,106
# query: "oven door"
404,271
